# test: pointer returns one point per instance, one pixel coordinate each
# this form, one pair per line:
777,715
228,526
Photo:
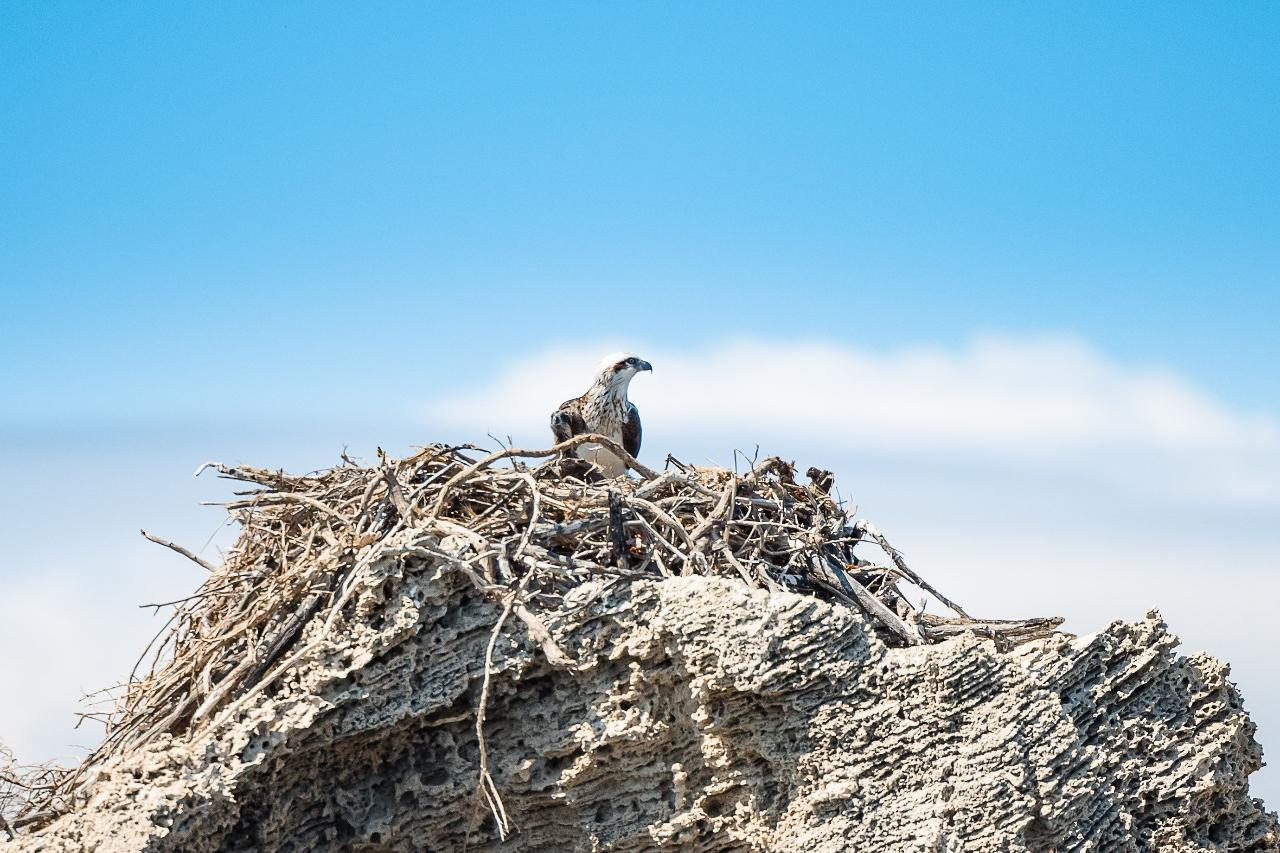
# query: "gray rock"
701,716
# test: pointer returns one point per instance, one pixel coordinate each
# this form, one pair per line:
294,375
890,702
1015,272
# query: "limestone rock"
700,716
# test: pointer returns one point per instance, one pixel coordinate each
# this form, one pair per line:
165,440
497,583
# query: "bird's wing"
631,432
566,421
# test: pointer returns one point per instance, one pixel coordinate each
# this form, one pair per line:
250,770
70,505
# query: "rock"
701,716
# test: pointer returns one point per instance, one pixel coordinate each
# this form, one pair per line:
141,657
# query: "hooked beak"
644,365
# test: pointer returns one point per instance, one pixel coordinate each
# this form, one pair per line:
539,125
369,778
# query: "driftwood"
523,535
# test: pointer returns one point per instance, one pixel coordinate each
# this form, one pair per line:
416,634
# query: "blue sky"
1043,237
188,190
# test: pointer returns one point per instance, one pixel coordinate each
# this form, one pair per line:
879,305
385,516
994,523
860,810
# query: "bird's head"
617,369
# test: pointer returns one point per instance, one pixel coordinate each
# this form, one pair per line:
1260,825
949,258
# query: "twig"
311,545
593,438
202,563
872,605
487,786
617,532
870,529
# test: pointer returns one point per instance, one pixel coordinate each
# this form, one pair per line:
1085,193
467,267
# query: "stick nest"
533,531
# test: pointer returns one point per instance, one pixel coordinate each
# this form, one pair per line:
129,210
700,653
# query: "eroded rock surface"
703,717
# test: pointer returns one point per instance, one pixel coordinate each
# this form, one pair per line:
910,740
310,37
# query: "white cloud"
1000,509
1024,476
1031,401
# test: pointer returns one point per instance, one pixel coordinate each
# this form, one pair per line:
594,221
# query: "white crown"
613,358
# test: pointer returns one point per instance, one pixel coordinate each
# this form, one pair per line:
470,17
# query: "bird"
604,409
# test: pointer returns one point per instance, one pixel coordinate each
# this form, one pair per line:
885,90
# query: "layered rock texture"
697,714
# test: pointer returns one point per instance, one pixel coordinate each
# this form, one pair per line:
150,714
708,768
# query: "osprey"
605,410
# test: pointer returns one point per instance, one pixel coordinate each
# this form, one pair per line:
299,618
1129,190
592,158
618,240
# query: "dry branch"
199,561
524,536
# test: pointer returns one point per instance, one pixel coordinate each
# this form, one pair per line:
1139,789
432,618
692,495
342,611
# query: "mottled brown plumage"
604,409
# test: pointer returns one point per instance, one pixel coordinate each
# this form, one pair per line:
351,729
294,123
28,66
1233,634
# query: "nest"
533,531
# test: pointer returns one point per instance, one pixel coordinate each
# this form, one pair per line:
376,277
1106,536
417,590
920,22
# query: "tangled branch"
526,536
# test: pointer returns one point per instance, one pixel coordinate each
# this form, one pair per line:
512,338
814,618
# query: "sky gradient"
1024,255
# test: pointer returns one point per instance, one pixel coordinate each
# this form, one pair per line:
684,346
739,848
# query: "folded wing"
631,432
567,421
